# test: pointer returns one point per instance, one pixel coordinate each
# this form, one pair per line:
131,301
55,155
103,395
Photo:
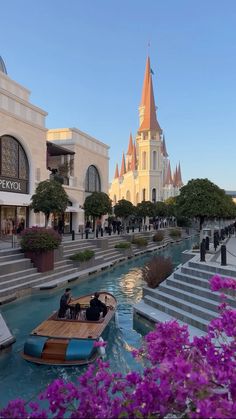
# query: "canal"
21,379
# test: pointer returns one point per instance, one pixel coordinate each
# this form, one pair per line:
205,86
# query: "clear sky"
84,62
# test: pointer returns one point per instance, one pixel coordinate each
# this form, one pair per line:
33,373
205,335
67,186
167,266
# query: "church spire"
122,169
134,159
130,148
149,121
116,172
180,182
168,179
164,150
145,82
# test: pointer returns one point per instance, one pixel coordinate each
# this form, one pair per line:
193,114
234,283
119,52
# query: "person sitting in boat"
95,302
75,312
92,313
64,303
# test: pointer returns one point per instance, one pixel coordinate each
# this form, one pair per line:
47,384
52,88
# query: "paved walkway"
231,252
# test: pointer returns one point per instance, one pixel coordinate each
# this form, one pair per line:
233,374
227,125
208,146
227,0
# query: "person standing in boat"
95,302
64,303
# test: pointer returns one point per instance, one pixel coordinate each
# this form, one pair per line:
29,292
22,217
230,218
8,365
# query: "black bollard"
73,234
101,232
97,234
207,243
127,229
149,227
109,231
139,228
203,251
223,255
132,229
86,234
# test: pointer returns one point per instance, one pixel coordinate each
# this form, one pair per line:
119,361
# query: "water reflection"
21,379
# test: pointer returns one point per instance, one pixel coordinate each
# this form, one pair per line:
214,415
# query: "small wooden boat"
69,342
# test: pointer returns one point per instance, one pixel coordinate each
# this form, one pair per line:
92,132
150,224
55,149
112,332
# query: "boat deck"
77,329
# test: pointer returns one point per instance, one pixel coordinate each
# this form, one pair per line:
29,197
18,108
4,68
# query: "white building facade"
28,150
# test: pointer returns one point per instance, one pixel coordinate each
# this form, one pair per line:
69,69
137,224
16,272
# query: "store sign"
11,185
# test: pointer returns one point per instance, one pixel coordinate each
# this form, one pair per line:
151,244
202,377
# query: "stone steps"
26,282
178,313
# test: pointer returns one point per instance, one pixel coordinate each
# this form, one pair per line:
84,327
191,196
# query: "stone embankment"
19,277
186,295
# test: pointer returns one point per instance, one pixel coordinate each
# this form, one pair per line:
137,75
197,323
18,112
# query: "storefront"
14,184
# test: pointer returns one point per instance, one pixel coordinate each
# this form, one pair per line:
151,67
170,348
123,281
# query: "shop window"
154,195
144,194
92,180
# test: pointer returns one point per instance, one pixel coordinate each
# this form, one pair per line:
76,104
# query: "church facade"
145,173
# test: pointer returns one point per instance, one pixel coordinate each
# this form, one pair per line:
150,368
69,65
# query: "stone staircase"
186,296
18,274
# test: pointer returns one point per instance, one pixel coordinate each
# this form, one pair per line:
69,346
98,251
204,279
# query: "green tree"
124,209
145,209
160,209
171,206
203,199
96,205
50,197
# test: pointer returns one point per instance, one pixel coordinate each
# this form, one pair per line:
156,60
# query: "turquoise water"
19,378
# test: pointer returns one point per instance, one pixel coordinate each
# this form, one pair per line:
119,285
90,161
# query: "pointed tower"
168,179
123,168
164,150
130,148
150,122
116,172
133,160
175,178
180,182
144,90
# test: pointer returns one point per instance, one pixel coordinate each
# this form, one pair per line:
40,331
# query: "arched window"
154,195
92,180
14,163
137,198
154,160
128,195
144,158
114,199
144,194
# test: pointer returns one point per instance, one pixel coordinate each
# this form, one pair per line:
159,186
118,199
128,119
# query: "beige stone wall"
26,122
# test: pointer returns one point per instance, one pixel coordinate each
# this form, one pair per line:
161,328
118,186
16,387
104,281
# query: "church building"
145,172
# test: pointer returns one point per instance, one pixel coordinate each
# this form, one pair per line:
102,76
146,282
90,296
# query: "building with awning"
29,154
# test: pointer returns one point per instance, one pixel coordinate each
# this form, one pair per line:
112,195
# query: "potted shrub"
83,259
38,244
140,241
124,247
158,237
157,270
175,233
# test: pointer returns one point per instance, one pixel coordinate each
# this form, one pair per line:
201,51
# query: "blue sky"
84,62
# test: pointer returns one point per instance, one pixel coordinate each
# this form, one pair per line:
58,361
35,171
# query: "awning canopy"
18,199
57,150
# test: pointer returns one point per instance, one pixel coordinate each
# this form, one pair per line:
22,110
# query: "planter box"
84,265
42,260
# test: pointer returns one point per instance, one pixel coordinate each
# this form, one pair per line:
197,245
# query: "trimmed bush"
83,256
38,239
157,270
139,241
175,233
123,245
158,237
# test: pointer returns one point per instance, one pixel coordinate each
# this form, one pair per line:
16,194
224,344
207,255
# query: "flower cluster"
181,378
